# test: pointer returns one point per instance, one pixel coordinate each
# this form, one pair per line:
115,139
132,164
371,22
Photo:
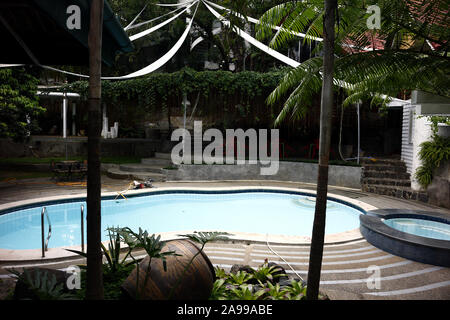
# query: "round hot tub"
416,235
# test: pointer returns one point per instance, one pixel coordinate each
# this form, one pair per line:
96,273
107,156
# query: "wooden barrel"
196,283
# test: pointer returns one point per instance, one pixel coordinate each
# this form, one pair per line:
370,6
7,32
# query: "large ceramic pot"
195,284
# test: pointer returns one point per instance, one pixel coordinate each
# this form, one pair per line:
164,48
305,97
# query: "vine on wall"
222,95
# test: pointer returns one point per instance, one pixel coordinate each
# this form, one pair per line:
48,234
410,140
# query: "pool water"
421,227
250,212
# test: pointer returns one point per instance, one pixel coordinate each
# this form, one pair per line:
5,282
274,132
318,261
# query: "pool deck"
346,261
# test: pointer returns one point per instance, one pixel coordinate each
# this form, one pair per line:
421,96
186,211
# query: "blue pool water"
421,227
252,212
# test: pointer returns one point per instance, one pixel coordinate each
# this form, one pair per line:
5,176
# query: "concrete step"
384,167
140,168
398,192
156,162
387,182
140,176
162,155
385,175
394,162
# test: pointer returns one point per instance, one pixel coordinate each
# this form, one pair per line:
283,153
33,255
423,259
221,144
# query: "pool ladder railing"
82,228
49,233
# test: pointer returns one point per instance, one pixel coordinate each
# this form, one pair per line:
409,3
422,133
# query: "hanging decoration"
162,24
256,21
253,41
137,25
134,20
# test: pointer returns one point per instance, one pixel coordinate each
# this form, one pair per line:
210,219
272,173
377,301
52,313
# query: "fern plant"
42,285
432,153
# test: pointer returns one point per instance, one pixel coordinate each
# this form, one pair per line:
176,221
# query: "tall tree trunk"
94,287
318,233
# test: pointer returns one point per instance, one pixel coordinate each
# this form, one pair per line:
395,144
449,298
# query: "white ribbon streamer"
174,4
256,21
11,65
134,20
158,26
154,19
150,68
161,61
253,41
200,39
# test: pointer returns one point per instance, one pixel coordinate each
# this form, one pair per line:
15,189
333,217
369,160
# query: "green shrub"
432,153
241,286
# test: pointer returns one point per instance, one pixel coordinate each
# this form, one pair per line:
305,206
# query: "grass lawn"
34,160
11,167
7,174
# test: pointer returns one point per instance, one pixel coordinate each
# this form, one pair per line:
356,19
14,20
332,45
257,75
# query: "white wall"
421,132
407,146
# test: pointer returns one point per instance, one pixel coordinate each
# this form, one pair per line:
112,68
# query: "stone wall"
344,176
439,189
47,146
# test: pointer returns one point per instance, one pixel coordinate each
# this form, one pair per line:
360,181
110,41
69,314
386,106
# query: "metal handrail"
49,234
82,228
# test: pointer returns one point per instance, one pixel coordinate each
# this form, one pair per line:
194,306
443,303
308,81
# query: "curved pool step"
115,173
140,168
157,162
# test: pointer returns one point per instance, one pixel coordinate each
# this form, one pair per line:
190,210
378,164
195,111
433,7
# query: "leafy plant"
222,95
266,274
275,292
239,278
245,292
219,290
432,153
19,104
220,273
296,291
239,286
112,253
42,286
151,244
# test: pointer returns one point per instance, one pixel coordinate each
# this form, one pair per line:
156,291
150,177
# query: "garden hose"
293,270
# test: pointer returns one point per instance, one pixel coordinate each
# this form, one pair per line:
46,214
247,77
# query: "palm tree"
409,52
326,109
94,281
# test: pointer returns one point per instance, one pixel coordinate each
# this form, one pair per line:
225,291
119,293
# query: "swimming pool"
251,211
412,234
421,227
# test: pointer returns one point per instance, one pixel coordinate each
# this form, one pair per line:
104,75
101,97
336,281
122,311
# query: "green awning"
42,26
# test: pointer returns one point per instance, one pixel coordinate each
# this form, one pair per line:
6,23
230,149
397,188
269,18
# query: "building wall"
77,146
407,146
416,128
344,176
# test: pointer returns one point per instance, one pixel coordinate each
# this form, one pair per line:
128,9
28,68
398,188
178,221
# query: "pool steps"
149,168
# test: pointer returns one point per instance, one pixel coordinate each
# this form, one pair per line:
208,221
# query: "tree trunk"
94,287
318,233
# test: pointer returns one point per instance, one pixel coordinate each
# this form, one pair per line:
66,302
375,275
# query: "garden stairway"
149,168
389,177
